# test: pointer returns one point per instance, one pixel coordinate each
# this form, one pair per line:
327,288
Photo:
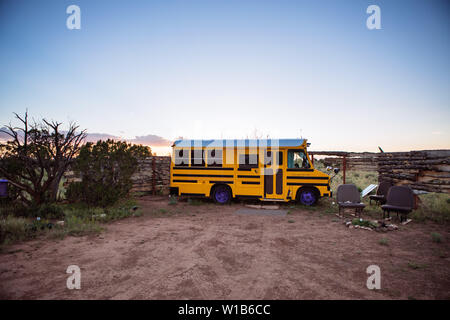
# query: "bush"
45,211
363,223
105,169
50,211
436,237
15,208
12,229
95,193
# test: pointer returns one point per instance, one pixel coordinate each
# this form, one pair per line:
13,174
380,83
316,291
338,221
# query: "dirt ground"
205,251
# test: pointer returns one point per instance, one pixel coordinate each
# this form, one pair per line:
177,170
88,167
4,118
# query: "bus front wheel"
222,194
307,196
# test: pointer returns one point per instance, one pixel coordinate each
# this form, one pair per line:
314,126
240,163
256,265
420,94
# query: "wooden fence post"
153,176
344,167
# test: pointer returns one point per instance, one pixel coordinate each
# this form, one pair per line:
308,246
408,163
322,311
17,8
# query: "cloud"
4,136
94,137
151,140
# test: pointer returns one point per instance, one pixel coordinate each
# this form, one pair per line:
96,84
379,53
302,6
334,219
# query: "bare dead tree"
36,156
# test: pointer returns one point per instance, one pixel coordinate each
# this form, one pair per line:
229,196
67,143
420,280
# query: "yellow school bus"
264,169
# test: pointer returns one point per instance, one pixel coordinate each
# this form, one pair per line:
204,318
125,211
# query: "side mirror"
336,170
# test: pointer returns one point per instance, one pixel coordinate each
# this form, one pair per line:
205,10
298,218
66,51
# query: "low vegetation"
59,220
415,266
363,223
436,237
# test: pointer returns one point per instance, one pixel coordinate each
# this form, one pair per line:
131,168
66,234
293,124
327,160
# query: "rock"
60,223
254,206
270,207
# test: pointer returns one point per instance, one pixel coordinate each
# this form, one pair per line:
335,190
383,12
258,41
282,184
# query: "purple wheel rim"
222,195
308,198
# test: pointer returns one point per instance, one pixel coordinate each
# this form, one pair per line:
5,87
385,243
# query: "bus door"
248,173
273,174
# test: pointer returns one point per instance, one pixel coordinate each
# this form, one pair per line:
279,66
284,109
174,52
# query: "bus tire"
221,194
307,196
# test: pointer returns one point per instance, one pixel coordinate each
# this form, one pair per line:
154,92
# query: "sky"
152,71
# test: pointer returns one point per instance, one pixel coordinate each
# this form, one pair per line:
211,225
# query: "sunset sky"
152,71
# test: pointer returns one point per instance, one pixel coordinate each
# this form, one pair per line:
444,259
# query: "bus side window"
215,158
198,157
181,157
268,158
248,161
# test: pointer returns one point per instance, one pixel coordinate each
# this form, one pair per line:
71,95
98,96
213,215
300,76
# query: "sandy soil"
209,252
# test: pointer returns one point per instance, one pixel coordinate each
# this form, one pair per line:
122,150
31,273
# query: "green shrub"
383,242
436,237
45,211
16,209
50,211
195,202
414,265
13,229
363,223
105,169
